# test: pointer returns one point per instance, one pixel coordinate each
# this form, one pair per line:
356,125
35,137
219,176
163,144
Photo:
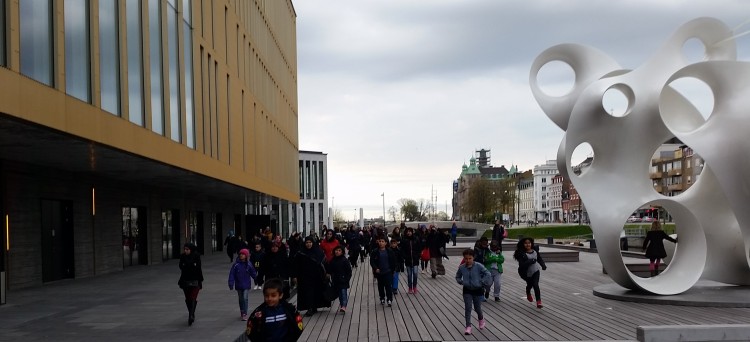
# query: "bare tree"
393,213
338,218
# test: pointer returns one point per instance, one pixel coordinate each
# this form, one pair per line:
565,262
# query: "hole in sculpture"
697,92
555,78
674,168
635,231
582,158
694,50
616,102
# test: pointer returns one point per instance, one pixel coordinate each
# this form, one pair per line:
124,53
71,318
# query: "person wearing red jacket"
328,244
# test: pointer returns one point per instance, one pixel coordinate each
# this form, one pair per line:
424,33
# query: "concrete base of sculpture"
705,293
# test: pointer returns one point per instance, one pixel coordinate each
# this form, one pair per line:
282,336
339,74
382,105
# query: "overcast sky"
400,93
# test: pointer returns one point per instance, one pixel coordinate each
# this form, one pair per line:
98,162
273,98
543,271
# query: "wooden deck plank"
571,311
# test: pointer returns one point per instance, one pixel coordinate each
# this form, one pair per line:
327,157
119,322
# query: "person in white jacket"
474,277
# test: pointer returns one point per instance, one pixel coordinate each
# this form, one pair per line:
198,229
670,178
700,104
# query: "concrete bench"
694,333
560,256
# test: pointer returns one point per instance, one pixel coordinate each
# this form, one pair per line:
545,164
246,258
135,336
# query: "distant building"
480,166
313,192
543,175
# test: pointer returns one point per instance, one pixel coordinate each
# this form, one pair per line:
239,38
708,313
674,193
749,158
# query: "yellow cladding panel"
245,109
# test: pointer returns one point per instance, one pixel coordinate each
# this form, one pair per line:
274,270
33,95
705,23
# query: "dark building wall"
97,239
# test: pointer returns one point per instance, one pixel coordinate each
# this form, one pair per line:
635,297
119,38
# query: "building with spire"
480,167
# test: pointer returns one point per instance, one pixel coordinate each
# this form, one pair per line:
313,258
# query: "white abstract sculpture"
712,216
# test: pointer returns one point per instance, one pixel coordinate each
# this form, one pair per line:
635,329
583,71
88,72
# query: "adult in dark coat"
498,234
191,278
309,273
436,242
276,265
654,246
295,243
228,242
353,244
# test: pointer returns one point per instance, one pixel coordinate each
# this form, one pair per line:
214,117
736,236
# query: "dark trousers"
353,256
385,285
533,282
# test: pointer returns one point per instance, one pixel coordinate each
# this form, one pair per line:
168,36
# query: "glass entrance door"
134,237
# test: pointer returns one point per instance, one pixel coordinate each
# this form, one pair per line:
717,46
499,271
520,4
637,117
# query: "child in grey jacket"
474,277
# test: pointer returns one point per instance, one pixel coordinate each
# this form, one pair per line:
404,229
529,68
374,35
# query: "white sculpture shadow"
712,243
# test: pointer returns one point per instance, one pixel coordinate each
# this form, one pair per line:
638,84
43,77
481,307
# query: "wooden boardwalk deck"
571,312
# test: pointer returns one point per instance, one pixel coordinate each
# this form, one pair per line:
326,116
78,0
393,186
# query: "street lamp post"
383,195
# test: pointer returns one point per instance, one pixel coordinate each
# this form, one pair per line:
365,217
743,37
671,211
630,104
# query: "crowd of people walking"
320,267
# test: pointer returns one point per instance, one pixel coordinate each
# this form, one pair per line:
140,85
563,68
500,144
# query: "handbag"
505,233
329,291
425,255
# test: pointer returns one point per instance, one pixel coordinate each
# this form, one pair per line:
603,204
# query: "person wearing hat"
240,276
191,278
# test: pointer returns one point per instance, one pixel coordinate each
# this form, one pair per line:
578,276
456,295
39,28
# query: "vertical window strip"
210,111
174,76
301,178
109,55
77,53
135,64
229,124
204,101
36,40
242,112
322,180
216,109
2,33
157,78
226,33
189,100
187,12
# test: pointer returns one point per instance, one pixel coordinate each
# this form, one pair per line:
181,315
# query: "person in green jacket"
494,262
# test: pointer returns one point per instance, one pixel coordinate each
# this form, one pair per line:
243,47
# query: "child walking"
474,277
383,262
275,319
256,258
340,270
399,263
239,279
529,263
494,262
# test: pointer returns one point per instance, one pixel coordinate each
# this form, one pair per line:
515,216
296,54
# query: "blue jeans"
343,297
412,273
242,297
468,301
395,282
496,275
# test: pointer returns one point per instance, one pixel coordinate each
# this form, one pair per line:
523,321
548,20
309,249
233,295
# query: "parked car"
647,219
634,219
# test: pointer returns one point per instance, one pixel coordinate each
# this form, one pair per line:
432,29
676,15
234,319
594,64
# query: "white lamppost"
383,195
